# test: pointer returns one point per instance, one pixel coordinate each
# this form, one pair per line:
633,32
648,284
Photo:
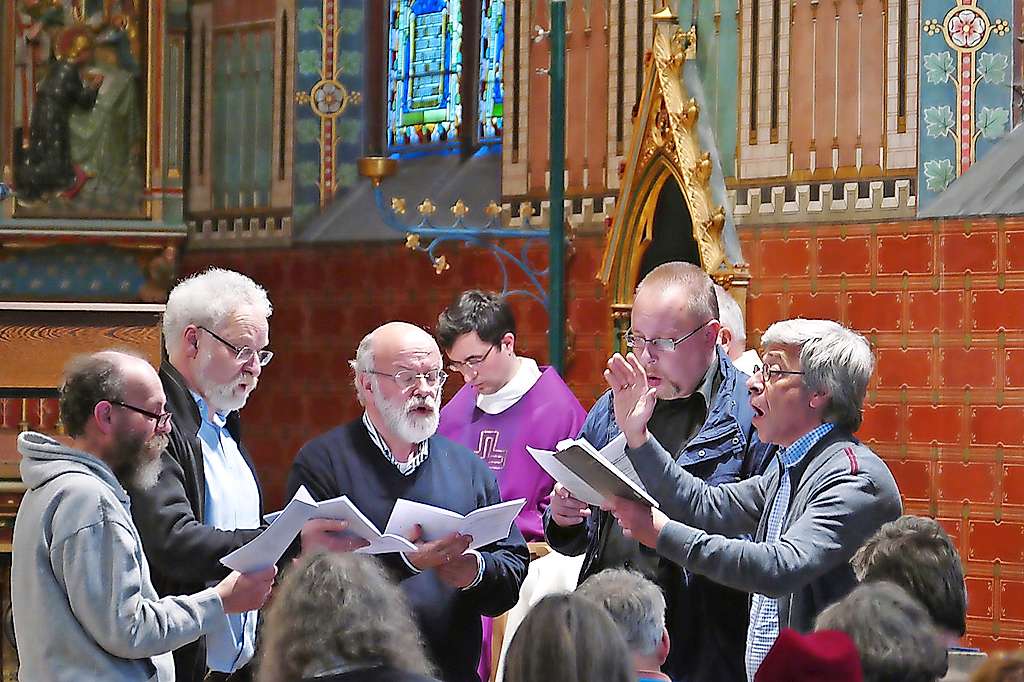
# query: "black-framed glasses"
162,418
408,379
770,374
469,364
663,345
244,354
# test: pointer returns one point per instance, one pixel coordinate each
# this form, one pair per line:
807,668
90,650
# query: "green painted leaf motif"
349,128
350,62
347,174
303,212
992,122
309,20
309,63
307,131
992,67
351,20
939,173
939,120
308,173
939,66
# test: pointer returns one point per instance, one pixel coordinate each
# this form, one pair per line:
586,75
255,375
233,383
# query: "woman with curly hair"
337,618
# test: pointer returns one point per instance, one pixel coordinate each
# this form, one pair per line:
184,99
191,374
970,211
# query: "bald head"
396,381
90,378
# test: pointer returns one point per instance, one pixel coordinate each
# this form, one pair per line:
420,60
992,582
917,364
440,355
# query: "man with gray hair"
637,606
84,604
810,511
733,334
393,452
208,500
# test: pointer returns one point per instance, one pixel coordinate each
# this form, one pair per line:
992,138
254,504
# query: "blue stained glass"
492,88
425,67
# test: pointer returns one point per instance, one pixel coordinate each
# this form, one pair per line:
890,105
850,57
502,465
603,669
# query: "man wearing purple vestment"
506,404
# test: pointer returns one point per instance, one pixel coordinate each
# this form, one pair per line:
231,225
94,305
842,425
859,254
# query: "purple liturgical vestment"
546,414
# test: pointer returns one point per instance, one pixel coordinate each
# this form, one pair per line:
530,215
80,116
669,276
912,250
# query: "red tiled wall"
942,302
325,299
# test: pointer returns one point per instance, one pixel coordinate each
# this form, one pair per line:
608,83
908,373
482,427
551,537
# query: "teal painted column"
556,263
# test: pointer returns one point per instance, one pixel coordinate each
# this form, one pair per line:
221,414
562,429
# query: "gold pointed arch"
663,148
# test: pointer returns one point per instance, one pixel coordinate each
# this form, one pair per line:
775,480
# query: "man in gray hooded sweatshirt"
84,605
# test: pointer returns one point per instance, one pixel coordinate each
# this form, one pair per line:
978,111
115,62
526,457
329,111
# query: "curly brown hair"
338,608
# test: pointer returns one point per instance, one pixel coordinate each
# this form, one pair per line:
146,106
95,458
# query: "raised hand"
632,398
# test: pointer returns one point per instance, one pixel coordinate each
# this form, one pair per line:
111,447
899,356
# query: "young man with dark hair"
506,404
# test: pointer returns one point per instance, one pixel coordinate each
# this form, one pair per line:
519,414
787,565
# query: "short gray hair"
635,603
362,363
834,359
894,634
207,299
729,313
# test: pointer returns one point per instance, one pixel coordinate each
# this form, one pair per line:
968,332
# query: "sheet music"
486,525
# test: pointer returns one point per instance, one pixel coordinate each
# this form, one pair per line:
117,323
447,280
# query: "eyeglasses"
662,345
244,354
770,374
469,364
162,418
408,379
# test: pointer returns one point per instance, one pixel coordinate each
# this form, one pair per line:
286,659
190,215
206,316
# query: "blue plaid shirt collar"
792,455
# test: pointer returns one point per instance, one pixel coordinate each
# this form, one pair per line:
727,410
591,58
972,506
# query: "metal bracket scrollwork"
425,236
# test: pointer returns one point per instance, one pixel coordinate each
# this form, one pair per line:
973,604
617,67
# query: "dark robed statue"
45,166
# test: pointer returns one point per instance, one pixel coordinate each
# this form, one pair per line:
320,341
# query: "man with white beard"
84,605
393,452
207,501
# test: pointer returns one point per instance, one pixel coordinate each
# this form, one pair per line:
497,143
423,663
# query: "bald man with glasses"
393,452
703,418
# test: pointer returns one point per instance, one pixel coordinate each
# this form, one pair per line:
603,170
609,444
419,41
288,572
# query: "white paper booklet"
592,475
486,525
267,548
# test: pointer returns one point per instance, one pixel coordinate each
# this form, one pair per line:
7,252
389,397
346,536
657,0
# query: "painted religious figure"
78,135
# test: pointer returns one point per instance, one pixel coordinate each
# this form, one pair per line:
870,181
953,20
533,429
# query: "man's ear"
190,338
724,337
664,646
820,401
102,413
509,341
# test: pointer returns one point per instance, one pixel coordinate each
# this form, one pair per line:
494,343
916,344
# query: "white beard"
400,420
224,398
145,477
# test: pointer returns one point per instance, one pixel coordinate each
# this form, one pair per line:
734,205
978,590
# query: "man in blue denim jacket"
703,416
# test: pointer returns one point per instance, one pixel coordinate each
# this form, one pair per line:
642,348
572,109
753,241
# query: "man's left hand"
632,398
637,520
461,571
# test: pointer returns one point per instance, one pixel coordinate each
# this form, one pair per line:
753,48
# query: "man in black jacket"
393,452
207,501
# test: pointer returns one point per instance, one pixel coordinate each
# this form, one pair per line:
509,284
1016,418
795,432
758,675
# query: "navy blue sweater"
344,461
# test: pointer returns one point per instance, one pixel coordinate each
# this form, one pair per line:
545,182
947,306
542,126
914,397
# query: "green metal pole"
556,268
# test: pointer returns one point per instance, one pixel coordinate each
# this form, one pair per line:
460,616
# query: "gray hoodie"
84,605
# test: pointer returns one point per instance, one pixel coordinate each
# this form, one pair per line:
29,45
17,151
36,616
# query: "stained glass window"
424,104
492,88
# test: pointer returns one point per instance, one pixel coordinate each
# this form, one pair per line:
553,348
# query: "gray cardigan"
843,492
